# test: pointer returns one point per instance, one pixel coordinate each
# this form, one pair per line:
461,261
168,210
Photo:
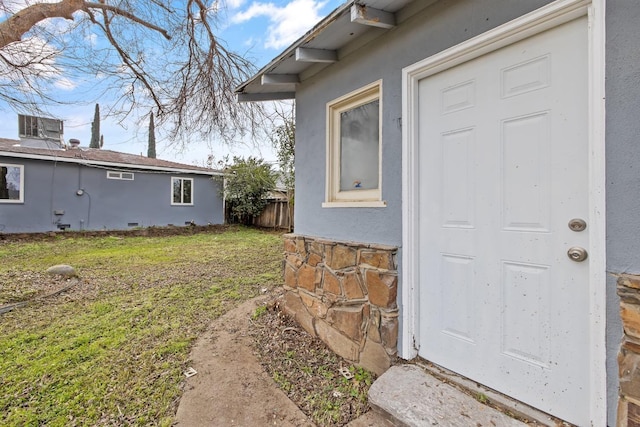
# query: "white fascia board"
90,163
265,96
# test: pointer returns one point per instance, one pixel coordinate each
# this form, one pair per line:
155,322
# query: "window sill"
362,204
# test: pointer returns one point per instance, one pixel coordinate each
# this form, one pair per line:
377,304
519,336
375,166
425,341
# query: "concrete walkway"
232,389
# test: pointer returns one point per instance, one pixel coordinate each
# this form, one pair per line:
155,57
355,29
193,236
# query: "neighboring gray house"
49,187
466,191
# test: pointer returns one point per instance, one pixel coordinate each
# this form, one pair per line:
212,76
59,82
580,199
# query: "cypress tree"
95,129
151,152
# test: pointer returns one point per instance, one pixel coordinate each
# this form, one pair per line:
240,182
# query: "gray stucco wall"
106,204
622,158
438,27
623,136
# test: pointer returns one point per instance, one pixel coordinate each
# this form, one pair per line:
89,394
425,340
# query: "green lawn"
113,349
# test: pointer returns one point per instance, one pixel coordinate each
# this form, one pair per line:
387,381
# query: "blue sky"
260,30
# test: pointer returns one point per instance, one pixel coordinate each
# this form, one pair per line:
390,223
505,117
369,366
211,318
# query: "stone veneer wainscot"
345,294
629,356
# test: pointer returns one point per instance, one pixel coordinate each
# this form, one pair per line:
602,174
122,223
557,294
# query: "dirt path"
231,388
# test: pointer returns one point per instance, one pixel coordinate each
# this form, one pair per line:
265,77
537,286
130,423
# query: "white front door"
503,169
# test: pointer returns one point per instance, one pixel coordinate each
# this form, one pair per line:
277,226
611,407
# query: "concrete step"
407,395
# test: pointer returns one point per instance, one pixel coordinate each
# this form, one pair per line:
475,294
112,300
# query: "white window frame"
120,175
21,167
182,179
334,198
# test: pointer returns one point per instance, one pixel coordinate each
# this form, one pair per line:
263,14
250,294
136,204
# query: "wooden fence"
275,215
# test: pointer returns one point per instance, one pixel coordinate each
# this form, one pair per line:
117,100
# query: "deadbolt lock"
577,254
577,224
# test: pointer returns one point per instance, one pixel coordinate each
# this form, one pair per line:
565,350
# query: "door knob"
577,254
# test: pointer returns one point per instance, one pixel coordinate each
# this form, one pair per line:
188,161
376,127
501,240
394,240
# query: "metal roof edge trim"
103,163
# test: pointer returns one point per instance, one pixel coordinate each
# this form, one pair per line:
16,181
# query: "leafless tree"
155,54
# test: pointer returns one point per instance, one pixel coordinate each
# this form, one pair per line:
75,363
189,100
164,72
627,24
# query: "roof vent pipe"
75,143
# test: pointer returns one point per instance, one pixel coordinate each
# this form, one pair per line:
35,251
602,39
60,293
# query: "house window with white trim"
11,183
181,191
127,176
353,149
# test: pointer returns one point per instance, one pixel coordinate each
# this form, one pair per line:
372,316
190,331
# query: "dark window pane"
10,184
186,191
177,190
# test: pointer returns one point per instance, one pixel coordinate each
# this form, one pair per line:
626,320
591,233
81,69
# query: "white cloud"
92,39
234,4
287,23
65,84
256,10
14,6
32,56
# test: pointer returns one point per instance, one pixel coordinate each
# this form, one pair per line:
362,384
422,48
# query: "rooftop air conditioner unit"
32,127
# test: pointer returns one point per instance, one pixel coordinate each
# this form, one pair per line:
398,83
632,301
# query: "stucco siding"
436,28
440,26
105,204
623,136
622,160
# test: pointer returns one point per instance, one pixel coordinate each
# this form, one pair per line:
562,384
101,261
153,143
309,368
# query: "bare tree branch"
19,24
14,28
140,75
155,54
125,14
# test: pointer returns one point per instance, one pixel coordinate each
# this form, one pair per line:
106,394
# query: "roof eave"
108,164
286,93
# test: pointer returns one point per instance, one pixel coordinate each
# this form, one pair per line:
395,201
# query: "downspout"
224,199
80,192
51,197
